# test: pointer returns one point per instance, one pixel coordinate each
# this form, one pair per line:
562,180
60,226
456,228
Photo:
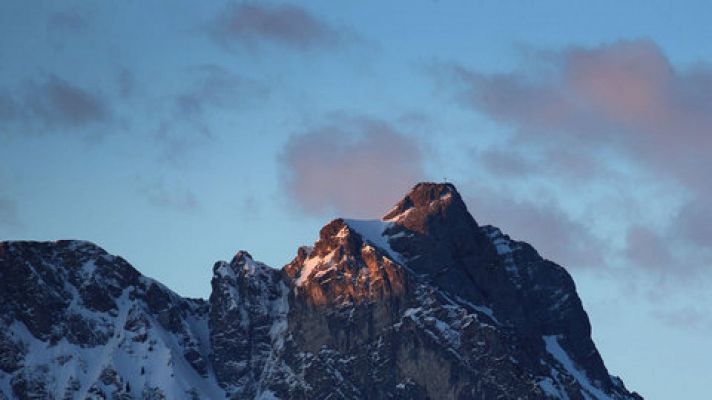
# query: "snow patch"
373,232
589,391
550,389
505,248
482,309
310,264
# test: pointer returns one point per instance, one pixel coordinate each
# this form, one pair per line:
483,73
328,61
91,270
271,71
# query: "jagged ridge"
424,303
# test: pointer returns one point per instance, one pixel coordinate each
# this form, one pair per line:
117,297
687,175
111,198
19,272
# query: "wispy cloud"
648,249
351,166
161,194
66,21
215,87
290,26
542,223
51,105
186,123
690,318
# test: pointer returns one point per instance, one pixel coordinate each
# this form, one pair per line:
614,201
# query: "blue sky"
175,134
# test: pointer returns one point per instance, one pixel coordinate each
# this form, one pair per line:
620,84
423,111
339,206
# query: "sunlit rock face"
342,268
424,303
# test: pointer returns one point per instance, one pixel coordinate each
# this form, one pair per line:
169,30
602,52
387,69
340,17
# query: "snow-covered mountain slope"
424,303
79,323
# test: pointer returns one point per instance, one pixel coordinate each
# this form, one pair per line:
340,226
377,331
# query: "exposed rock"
423,304
248,308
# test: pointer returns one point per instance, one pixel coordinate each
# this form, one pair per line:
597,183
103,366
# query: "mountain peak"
241,256
429,206
432,190
426,196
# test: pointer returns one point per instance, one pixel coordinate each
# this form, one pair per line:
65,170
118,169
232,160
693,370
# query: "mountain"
422,304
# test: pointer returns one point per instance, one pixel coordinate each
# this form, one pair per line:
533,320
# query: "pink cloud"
624,98
356,167
625,89
627,81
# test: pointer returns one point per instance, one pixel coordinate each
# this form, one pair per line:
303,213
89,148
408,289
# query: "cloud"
513,162
351,167
626,95
252,24
648,249
177,142
695,219
627,91
50,105
543,224
163,195
692,318
507,163
214,87
58,102
186,124
582,111
63,22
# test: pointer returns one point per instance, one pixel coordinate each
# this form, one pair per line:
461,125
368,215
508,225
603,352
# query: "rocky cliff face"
424,303
248,311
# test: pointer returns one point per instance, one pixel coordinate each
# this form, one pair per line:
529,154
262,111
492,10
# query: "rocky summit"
424,303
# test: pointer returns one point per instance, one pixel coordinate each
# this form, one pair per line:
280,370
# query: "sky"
176,133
